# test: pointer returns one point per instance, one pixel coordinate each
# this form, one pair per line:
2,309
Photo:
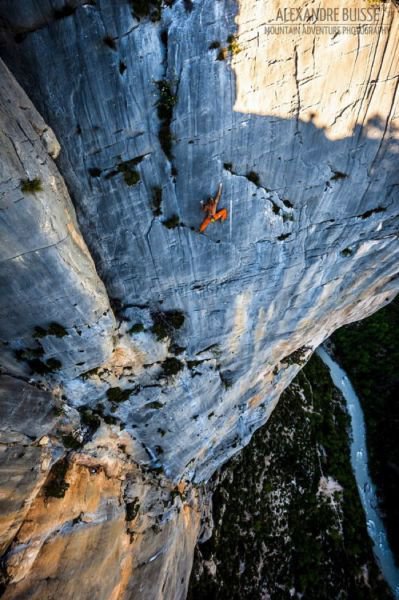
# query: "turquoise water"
365,486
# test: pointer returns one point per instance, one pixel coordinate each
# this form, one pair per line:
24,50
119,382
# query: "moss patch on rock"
171,366
31,186
117,394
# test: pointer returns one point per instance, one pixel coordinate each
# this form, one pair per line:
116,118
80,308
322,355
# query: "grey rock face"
310,242
46,272
26,415
149,122
24,409
92,524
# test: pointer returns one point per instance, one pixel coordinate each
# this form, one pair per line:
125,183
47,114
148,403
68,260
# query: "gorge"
138,355
366,487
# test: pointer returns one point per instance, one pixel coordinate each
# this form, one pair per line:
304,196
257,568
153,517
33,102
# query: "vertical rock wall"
46,272
151,115
150,122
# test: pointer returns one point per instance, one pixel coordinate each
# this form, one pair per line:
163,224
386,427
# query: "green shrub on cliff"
31,186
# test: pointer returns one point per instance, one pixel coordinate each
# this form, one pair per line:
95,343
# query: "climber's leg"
205,223
221,214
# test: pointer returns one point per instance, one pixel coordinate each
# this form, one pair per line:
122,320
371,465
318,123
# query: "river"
359,462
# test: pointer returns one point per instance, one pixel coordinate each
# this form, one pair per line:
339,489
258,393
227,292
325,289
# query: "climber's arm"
217,197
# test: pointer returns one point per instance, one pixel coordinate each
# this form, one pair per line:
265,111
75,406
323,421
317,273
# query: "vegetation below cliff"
368,350
288,519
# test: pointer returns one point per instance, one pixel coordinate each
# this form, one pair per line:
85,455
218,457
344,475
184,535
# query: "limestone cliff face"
207,330
46,270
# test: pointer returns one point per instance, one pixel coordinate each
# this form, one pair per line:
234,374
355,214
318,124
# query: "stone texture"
25,409
310,242
275,277
46,272
89,544
27,415
21,474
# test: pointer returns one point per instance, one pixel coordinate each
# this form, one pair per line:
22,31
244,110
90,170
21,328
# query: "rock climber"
210,207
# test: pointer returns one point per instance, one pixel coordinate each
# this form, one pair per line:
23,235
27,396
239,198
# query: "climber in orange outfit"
213,215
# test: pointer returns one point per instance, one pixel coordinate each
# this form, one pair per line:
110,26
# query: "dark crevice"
56,486
338,175
127,168
371,212
165,104
148,9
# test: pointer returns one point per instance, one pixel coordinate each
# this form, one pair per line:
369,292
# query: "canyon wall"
138,355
